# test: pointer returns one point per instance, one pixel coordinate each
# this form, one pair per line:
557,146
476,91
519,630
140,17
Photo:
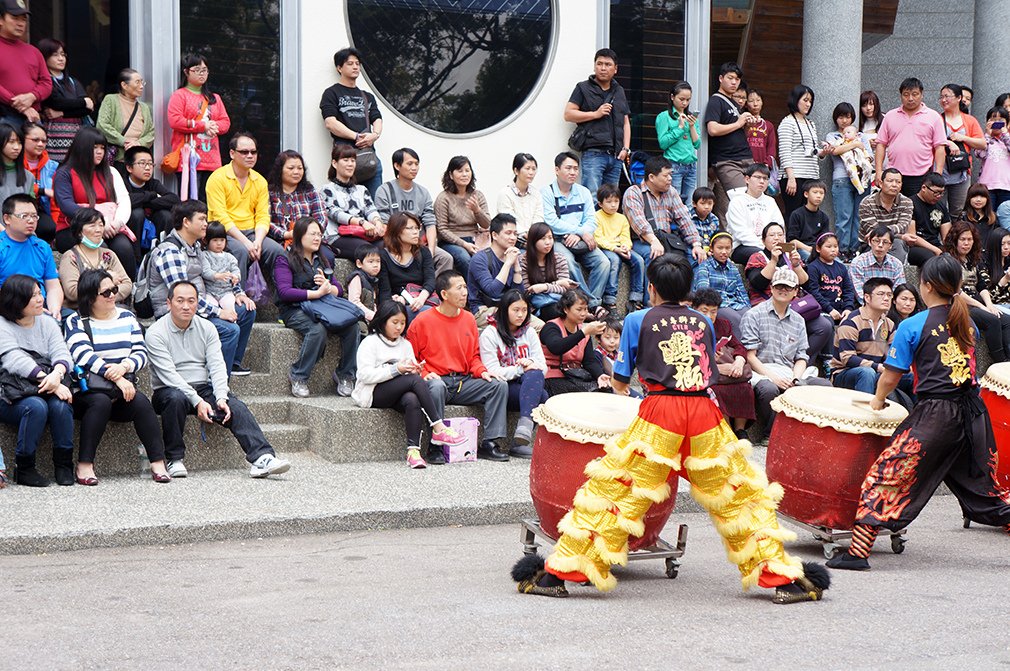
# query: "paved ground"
441,599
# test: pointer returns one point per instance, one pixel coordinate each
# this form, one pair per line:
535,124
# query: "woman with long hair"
906,302
461,214
14,177
351,217
389,376
292,196
962,244
980,213
406,272
947,436
870,116
997,260
198,116
545,274
68,107
107,344
86,180
512,351
963,135
845,197
124,119
303,274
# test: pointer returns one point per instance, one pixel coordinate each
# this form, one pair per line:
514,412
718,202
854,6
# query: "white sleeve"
123,206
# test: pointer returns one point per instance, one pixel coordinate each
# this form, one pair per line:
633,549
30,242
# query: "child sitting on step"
363,283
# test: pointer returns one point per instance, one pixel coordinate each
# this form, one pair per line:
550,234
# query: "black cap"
15,7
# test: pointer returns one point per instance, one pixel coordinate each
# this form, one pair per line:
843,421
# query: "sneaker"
299,389
414,459
345,384
176,469
238,370
447,436
266,465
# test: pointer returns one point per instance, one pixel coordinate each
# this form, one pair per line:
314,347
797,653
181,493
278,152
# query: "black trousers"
945,441
995,330
917,256
95,409
162,220
410,395
173,406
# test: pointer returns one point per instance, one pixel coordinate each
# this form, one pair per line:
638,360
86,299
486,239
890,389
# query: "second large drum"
996,396
573,429
820,449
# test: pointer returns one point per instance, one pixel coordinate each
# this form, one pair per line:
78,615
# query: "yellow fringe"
745,519
657,495
654,456
750,548
609,556
597,471
706,463
634,527
714,502
589,503
585,566
567,527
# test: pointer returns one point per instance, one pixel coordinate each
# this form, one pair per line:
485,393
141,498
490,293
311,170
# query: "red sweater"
446,344
23,70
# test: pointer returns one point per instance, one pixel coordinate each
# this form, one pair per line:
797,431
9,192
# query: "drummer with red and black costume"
948,435
680,431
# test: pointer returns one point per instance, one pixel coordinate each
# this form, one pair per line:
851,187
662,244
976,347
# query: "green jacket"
676,141
111,122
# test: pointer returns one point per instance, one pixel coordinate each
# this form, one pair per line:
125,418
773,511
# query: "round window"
453,66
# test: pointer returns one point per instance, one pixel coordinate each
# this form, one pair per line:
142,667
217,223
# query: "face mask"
89,244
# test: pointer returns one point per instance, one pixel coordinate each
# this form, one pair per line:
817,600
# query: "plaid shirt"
665,210
287,208
777,340
706,227
171,263
724,278
865,266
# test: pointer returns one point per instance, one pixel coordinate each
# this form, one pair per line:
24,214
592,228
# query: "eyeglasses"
245,152
144,164
142,82
782,287
109,293
881,242
882,294
199,71
25,216
935,192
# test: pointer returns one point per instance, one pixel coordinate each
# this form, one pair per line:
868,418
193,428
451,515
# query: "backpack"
142,305
637,168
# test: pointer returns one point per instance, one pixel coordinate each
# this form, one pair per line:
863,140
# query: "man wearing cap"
775,336
24,78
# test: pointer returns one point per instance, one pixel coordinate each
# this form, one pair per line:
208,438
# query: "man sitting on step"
189,377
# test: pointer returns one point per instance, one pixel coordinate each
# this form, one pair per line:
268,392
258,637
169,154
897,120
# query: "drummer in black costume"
946,438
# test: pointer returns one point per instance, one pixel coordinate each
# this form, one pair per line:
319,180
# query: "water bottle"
82,378
145,463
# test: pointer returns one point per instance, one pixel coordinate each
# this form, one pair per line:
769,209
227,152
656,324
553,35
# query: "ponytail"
959,323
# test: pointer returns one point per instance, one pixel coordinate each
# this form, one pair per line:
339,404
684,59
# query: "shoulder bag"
368,162
672,241
332,312
93,381
955,163
13,387
110,156
172,160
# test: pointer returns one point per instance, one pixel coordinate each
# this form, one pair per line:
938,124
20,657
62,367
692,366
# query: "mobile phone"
695,113
787,247
998,124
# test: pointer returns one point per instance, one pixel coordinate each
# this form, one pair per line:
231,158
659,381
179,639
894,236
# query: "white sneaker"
268,464
177,469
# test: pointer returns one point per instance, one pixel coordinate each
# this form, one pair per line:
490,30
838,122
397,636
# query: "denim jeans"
539,301
314,337
597,265
846,201
599,167
234,335
527,392
31,415
637,267
460,257
685,178
865,379
644,250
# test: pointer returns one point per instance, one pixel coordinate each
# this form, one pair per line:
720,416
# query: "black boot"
63,467
26,474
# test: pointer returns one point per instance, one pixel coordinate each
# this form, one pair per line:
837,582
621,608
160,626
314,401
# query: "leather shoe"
87,482
489,450
161,477
521,450
436,457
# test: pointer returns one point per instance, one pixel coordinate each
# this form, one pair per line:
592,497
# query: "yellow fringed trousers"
671,432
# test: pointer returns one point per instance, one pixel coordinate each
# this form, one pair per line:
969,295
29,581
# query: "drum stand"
829,538
530,530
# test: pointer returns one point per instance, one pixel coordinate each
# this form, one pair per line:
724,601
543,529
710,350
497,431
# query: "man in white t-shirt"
750,211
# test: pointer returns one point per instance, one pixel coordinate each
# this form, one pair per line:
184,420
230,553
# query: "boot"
63,467
26,474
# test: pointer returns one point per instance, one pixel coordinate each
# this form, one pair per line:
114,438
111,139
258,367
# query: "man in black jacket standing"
603,134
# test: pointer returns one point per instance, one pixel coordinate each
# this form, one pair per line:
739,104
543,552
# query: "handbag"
724,354
93,381
956,163
173,159
334,313
368,162
13,387
255,284
355,231
414,290
806,306
672,241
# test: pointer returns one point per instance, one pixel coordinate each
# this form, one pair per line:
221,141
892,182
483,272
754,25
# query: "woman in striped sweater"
107,345
799,149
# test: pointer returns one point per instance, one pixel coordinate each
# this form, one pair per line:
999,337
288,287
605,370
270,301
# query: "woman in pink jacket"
198,115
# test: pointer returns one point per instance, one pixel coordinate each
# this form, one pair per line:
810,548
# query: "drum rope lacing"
995,386
881,427
573,432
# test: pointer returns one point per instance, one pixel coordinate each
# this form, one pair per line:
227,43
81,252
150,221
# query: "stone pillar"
991,58
832,64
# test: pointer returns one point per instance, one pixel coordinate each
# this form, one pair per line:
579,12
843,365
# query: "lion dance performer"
946,438
673,348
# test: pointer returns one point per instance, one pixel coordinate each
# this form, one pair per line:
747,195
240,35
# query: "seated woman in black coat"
572,361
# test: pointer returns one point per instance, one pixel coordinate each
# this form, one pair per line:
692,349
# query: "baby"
856,160
220,269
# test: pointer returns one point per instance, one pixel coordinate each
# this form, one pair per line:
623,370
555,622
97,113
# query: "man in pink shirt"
24,78
914,138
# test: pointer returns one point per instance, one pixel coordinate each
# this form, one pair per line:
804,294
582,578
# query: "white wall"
539,130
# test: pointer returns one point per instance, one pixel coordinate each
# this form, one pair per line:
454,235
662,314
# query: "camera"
217,417
812,152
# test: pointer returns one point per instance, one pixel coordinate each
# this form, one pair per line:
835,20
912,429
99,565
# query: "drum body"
996,396
573,429
820,449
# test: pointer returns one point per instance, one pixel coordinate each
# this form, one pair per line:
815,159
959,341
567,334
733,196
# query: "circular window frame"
519,110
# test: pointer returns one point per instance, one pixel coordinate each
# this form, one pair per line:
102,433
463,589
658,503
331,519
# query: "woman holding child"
845,196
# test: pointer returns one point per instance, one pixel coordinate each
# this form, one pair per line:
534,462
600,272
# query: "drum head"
587,417
833,407
997,379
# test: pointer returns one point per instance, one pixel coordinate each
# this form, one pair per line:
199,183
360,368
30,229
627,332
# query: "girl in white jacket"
512,351
388,377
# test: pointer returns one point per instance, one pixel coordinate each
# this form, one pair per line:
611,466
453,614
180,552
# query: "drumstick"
859,402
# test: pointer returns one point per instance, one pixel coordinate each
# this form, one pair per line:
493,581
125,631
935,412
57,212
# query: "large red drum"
996,395
573,430
821,447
